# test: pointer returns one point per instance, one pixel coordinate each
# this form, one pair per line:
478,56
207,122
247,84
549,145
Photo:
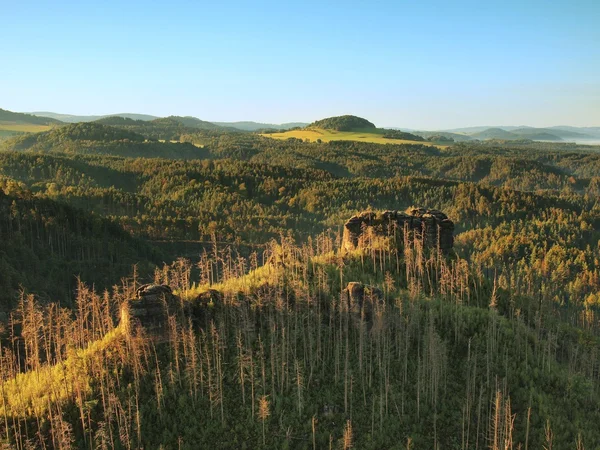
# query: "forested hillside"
14,124
343,123
98,139
494,344
47,246
9,116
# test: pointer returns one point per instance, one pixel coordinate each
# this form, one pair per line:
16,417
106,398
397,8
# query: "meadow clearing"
370,135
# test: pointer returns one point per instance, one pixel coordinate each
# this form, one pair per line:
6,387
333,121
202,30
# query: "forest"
492,345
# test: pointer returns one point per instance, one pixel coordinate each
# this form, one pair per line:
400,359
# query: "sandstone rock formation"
430,226
151,308
204,306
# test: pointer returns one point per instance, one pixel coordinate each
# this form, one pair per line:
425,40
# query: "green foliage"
488,344
343,123
397,134
97,139
46,245
10,116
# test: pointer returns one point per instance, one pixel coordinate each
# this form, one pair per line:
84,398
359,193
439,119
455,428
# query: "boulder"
150,308
431,225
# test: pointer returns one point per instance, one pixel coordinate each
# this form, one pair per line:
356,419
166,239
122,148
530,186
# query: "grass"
369,135
30,393
22,127
267,274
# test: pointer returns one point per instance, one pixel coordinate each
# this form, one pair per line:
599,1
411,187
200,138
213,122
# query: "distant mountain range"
504,132
244,126
555,133
70,118
255,126
32,119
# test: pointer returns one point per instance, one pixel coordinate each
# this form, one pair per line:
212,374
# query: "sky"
414,64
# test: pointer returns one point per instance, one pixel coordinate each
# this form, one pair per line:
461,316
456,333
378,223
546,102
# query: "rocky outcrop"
151,308
205,305
431,226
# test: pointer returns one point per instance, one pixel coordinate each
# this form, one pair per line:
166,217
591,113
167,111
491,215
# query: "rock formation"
204,306
151,308
429,225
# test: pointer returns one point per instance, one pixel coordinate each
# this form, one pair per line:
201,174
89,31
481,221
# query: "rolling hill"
170,128
348,128
95,138
13,123
71,118
588,132
494,133
191,122
539,133
534,134
556,133
343,123
256,126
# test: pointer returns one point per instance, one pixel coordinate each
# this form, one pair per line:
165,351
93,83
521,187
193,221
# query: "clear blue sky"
418,64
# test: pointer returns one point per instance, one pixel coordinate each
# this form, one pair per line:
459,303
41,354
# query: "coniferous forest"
316,225
177,284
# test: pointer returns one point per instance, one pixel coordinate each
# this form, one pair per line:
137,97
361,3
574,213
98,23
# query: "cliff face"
429,225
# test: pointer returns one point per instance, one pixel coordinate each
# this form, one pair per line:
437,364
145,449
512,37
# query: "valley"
305,292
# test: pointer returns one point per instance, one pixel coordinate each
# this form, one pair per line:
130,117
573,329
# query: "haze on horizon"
431,65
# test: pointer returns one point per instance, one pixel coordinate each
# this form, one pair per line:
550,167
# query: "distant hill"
535,134
9,116
70,118
84,131
343,123
170,128
456,137
563,134
555,133
494,133
256,126
594,132
477,129
95,138
13,123
191,122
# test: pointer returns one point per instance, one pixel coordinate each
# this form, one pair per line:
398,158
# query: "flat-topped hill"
343,123
348,128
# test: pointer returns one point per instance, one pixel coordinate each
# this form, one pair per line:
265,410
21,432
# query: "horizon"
428,66
40,113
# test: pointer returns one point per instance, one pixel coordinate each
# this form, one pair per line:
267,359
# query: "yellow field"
374,136
22,127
